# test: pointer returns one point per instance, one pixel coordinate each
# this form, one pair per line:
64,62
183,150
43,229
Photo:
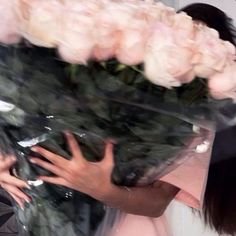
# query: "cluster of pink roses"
173,48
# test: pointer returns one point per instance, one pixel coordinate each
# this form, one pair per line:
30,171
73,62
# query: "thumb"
7,163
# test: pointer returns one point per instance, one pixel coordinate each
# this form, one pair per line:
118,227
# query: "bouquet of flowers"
150,85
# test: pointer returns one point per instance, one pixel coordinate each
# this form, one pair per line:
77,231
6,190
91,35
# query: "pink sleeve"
191,177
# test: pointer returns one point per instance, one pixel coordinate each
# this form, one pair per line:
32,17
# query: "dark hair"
220,196
213,18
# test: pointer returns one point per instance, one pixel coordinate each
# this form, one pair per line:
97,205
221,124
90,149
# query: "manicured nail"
112,141
27,200
28,187
34,149
32,161
13,158
35,183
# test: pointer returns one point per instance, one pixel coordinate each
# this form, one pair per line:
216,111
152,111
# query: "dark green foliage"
101,101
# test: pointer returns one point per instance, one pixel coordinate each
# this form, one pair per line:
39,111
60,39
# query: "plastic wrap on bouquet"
152,127
115,84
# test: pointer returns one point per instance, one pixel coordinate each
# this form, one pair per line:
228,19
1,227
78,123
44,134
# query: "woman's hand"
79,174
10,183
94,180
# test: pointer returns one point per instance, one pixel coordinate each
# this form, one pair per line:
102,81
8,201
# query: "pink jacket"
190,178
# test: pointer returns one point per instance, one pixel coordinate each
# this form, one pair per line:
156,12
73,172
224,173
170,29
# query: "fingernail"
32,161
112,141
35,183
34,149
27,200
13,158
28,187
22,208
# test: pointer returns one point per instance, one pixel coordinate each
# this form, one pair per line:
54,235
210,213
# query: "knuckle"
70,178
74,172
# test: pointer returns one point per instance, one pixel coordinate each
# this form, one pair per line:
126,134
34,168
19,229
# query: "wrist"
116,196
108,194
105,192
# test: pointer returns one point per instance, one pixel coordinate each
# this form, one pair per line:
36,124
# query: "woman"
143,205
8,223
12,184
219,204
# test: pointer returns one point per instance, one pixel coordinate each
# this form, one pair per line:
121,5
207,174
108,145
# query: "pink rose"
223,85
166,14
145,14
187,77
106,35
165,61
212,53
76,41
154,11
40,21
184,28
9,32
110,23
132,43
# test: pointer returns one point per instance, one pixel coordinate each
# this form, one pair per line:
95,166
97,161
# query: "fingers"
57,160
7,163
18,200
11,180
17,192
48,166
108,155
55,180
74,146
